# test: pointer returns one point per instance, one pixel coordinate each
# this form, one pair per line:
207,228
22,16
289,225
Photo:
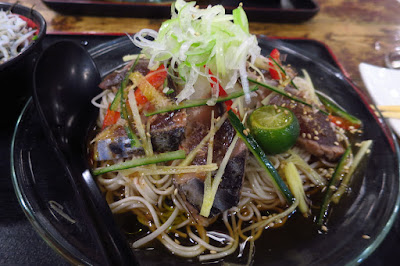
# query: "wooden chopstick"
391,114
389,108
389,111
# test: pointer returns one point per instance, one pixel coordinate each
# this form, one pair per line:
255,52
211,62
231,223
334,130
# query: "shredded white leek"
306,85
195,37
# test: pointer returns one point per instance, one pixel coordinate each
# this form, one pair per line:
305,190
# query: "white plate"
383,85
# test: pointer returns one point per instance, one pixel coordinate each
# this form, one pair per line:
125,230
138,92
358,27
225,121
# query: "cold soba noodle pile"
200,128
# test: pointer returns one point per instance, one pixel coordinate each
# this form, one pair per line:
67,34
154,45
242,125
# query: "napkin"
383,85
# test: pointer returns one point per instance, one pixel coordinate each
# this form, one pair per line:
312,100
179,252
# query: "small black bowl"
16,73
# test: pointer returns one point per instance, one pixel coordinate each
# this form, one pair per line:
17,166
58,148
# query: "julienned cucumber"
284,72
158,158
283,93
253,146
332,186
200,102
117,99
336,110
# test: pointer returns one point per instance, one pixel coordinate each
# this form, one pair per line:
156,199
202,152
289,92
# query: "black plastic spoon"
65,80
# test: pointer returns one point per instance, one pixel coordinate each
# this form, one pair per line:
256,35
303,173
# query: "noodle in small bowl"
21,34
34,22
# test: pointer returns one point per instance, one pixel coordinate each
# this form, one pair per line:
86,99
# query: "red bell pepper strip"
157,77
140,98
275,54
111,118
221,91
343,123
29,23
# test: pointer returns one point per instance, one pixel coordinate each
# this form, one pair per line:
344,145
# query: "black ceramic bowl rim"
33,15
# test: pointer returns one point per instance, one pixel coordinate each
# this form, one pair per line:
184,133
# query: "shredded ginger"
195,40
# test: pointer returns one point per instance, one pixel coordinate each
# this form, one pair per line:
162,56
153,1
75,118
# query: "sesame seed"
259,79
283,104
286,112
292,101
259,206
271,225
245,132
276,107
176,191
148,134
177,241
289,94
351,127
264,217
358,144
316,138
213,251
316,132
332,187
336,143
303,135
368,151
324,228
278,111
308,135
366,236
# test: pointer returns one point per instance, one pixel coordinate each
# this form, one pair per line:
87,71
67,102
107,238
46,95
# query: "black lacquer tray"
291,11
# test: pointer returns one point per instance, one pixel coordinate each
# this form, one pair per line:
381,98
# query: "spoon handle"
65,80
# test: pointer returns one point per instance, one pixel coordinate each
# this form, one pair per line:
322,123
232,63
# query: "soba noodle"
149,193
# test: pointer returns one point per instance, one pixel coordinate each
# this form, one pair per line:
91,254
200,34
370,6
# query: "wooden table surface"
356,30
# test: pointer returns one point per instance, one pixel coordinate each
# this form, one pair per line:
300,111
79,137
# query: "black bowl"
16,73
369,209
